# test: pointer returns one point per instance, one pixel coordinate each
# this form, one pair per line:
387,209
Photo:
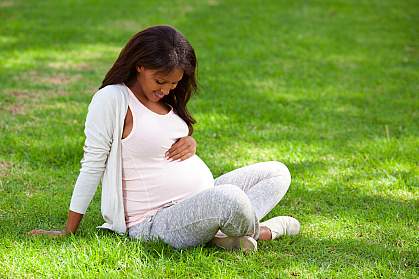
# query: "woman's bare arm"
73,222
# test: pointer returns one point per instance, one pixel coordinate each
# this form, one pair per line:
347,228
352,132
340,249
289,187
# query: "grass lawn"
330,88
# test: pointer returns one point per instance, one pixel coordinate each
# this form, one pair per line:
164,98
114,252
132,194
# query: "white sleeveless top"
149,180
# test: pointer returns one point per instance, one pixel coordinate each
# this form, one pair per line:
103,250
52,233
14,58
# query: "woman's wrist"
73,222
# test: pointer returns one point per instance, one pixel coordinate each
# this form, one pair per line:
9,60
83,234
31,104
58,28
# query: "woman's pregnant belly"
177,180
152,186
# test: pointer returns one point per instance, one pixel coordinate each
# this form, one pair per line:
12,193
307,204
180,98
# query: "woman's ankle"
265,233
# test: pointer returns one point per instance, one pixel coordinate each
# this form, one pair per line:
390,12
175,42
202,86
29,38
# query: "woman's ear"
140,69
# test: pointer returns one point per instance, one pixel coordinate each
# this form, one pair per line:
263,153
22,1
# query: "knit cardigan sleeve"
99,128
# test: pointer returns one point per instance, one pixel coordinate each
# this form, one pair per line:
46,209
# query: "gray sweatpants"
234,206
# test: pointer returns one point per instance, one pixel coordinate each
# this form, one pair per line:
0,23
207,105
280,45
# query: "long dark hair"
159,48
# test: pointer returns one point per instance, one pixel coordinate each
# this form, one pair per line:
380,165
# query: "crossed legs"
234,206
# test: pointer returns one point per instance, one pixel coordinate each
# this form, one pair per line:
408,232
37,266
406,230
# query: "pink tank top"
149,180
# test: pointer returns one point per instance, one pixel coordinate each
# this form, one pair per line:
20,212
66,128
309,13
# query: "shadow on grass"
287,252
333,204
358,216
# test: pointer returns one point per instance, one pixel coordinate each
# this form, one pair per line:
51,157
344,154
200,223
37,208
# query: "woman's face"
155,85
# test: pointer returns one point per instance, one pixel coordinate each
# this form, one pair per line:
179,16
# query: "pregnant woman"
138,143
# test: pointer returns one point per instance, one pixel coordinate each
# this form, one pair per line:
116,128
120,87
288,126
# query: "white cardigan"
102,157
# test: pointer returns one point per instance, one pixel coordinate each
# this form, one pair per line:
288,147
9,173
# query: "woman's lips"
158,95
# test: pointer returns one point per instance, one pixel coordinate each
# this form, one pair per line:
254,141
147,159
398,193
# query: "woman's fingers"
177,144
181,143
37,231
182,156
181,148
46,232
180,153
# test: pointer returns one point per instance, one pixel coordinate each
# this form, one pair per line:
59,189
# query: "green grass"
327,87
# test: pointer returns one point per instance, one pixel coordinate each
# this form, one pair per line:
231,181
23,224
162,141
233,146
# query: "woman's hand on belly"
182,149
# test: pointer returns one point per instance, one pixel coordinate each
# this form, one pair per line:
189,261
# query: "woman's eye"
159,82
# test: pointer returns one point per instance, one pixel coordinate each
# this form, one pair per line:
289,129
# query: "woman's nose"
165,90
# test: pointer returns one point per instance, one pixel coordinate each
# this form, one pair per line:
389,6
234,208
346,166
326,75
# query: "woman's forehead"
174,76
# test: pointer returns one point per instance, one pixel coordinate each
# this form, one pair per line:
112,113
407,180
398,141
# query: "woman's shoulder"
110,94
